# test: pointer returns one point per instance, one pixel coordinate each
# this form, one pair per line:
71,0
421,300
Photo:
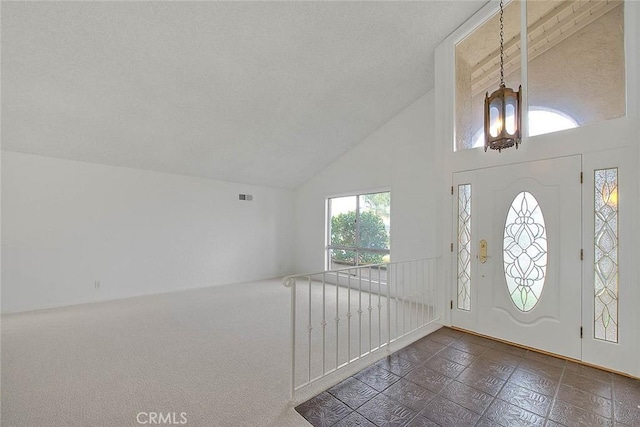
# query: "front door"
518,253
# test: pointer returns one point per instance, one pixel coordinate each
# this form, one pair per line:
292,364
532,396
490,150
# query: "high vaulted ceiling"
253,92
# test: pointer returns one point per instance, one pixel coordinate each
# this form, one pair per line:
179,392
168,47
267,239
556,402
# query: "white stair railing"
342,316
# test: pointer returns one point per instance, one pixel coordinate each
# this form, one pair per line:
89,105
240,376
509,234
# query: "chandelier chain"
501,44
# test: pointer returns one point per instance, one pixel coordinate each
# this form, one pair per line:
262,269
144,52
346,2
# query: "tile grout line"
502,387
438,394
594,394
413,360
555,395
493,398
435,395
476,357
613,401
395,382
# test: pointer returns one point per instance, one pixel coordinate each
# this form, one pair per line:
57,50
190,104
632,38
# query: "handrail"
339,270
286,279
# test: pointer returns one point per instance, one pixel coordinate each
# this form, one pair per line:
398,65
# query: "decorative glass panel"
606,255
525,251
464,247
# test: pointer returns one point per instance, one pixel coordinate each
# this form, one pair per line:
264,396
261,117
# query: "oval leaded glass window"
525,251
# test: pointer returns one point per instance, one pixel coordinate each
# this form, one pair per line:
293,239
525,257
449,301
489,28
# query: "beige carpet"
220,355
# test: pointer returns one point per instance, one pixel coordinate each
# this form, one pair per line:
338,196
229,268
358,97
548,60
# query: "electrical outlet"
96,284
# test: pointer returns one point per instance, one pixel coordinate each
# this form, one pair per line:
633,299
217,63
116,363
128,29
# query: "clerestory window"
575,66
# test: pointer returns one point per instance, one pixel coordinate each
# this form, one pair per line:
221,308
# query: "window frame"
357,249
555,144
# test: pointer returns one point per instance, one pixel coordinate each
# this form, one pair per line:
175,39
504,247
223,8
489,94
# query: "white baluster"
379,309
359,314
292,283
348,318
309,329
324,322
369,308
337,319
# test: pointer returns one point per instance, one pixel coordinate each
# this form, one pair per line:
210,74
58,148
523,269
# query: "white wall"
398,157
67,224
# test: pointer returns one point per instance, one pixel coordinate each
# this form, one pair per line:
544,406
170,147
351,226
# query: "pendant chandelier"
502,109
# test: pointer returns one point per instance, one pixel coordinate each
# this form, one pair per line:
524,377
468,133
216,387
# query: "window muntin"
358,230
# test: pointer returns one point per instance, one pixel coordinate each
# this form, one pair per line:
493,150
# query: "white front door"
526,287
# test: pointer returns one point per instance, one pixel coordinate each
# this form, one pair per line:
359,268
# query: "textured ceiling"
253,92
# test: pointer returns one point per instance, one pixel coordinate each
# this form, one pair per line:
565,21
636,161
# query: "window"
358,230
576,61
477,62
575,66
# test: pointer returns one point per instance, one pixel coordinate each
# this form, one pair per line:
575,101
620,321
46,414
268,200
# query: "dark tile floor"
450,378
